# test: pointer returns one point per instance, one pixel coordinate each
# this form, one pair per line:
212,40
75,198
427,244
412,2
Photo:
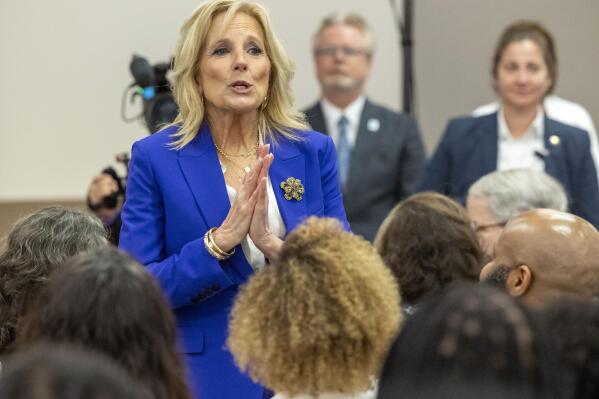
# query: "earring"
264,103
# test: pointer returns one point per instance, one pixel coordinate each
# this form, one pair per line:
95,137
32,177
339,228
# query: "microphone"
541,153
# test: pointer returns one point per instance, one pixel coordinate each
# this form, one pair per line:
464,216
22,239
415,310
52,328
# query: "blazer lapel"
487,145
368,144
316,118
288,162
554,161
200,166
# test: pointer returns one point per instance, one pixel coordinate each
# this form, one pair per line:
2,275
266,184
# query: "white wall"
64,65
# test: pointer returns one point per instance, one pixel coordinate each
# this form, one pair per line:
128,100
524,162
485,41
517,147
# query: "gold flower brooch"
293,189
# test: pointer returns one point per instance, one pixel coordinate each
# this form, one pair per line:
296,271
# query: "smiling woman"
206,202
519,135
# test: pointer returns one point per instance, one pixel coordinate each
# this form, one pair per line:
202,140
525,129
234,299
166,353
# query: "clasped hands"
249,211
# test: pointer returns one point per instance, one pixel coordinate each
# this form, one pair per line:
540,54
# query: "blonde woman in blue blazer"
210,198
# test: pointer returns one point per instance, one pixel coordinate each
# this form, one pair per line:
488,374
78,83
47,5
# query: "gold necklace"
253,151
238,176
246,169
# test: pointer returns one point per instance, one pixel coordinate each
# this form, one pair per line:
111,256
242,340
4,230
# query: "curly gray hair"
36,246
517,190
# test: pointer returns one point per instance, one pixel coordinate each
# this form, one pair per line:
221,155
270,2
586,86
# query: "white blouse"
361,395
254,256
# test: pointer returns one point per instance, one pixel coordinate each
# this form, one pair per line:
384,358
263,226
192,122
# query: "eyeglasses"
478,228
332,51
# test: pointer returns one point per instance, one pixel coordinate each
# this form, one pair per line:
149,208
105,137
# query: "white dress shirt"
523,151
352,112
254,256
563,111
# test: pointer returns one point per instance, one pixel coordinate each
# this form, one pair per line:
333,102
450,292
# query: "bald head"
542,253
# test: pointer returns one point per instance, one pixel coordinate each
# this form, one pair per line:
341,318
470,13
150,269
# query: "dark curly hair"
475,338
574,324
105,301
428,242
50,372
35,247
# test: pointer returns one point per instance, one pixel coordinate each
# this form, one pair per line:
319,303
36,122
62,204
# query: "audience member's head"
44,372
575,326
321,318
105,301
428,243
473,341
343,48
497,196
544,253
35,247
535,33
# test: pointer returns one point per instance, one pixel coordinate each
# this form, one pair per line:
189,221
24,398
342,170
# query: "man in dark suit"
379,151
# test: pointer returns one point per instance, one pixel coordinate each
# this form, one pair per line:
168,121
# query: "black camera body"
159,107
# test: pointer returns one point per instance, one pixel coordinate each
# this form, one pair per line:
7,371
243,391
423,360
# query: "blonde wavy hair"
276,115
321,318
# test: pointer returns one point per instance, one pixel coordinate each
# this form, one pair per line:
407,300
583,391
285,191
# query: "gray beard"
340,82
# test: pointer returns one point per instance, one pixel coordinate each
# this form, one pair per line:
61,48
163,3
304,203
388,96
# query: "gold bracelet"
210,249
214,249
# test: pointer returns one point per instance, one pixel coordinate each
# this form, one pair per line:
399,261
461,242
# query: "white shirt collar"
535,130
352,112
521,152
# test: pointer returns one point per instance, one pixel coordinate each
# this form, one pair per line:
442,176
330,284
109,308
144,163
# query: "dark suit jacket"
385,165
173,198
468,151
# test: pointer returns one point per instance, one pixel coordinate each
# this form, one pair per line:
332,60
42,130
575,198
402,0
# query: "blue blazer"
468,151
173,198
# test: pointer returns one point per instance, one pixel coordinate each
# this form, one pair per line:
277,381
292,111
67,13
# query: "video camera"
159,108
151,84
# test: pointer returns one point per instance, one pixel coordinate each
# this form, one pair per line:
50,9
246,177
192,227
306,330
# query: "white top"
561,110
254,256
370,394
516,153
362,395
352,112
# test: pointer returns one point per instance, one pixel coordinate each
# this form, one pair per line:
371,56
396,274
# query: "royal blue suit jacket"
468,151
173,198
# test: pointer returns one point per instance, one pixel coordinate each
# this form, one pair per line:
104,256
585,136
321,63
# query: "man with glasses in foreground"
379,151
497,196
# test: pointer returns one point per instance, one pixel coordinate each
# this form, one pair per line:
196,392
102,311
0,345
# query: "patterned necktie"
343,150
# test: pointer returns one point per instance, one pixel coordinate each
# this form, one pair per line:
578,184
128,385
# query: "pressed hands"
249,211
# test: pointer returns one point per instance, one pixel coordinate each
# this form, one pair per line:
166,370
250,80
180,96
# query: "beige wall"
65,63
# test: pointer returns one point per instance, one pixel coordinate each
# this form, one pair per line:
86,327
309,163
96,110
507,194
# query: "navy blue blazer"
173,198
468,151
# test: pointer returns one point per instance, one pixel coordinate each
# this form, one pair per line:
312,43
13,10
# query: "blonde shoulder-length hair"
276,115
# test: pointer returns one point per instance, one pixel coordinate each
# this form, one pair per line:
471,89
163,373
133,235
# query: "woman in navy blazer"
210,198
519,134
